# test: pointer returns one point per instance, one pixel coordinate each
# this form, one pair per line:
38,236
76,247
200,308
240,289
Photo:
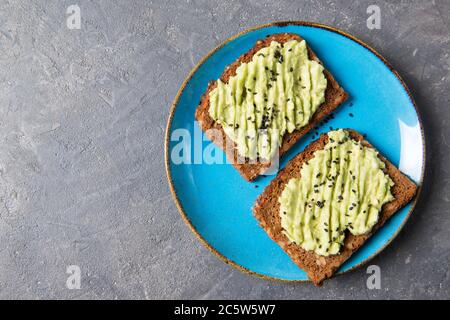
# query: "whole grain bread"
334,96
319,268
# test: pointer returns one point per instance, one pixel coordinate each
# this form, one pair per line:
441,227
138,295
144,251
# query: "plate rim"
285,23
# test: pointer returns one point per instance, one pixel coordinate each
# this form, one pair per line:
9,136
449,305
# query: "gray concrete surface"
82,120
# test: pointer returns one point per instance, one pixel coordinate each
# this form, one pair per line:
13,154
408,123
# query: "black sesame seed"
320,204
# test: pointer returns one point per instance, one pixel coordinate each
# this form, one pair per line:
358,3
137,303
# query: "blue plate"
216,201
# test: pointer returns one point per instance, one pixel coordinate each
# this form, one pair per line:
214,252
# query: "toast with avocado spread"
329,199
266,101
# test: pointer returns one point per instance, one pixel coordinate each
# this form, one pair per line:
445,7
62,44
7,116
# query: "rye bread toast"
334,96
319,268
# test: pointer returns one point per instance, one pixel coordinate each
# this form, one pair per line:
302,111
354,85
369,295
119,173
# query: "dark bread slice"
334,96
319,268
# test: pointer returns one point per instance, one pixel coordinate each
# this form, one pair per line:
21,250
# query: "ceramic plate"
216,201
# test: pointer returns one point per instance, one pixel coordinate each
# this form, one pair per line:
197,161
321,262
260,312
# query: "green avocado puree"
278,91
343,187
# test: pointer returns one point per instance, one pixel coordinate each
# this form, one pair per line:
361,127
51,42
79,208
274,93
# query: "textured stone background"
82,120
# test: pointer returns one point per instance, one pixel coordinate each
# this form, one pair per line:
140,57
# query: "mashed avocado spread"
278,91
342,187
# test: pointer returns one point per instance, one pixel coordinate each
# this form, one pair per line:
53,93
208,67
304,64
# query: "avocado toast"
318,240
246,156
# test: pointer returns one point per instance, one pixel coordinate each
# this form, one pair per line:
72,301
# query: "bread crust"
334,96
319,268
